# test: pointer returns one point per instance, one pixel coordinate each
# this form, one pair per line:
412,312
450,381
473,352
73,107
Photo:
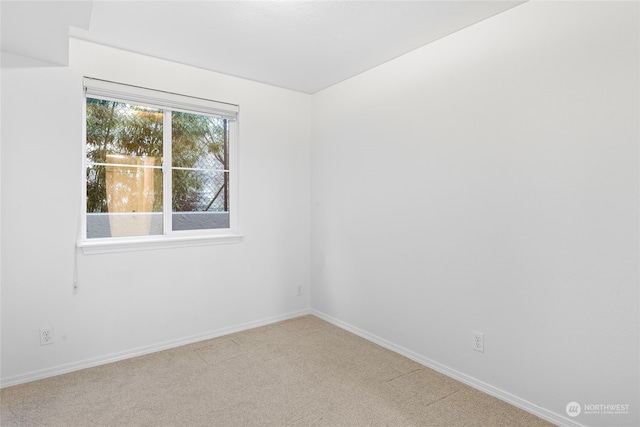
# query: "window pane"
200,191
129,190
200,200
124,199
117,128
198,141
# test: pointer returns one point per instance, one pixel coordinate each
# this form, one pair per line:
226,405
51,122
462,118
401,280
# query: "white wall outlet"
299,290
478,341
46,335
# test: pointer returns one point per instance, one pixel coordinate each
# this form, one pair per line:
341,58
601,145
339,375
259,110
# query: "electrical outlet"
299,289
478,342
46,335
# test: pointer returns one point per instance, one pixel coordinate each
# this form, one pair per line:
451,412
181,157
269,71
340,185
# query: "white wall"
489,182
137,301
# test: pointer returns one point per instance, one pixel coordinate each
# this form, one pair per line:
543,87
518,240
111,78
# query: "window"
159,167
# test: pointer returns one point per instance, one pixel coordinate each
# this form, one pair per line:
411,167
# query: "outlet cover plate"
46,335
478,342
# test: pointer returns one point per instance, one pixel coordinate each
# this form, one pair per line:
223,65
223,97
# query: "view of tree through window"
121,134
199,146
125,157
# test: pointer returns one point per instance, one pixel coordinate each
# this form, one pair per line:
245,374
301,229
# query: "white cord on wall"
76,249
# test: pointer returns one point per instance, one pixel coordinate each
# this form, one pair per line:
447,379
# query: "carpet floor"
299,372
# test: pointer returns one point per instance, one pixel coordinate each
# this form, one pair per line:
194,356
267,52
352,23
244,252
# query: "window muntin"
157,171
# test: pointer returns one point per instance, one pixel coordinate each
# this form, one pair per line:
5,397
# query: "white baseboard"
139,351
456,375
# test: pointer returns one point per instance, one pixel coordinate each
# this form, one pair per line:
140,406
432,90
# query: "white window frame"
168,102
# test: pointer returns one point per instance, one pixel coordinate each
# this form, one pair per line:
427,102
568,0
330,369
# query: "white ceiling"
301,45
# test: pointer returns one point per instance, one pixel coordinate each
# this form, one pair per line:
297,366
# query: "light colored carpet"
300,372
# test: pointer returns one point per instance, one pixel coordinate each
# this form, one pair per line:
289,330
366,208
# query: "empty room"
320,213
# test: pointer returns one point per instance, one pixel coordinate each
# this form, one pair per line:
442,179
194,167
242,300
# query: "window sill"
102,246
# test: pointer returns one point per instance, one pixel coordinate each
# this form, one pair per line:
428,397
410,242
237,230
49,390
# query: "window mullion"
166,172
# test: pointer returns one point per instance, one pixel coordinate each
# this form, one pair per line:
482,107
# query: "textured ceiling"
301,45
